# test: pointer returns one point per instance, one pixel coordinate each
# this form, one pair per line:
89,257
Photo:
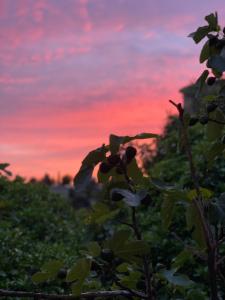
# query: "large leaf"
115,141
131,280
201,81
177,280
215,150
217,210
118,240
77,287
101,213
167,210
216,62
205,52
194,223
212,20
52,267
132,248
40,277
215,130
84,175
48,271
182,258
130,198
83,178
94,249
200,33
123,248
80,270
134,172
206,194
3,167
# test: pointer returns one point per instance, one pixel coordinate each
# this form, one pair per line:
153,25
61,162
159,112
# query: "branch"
132,292
217,121
87,295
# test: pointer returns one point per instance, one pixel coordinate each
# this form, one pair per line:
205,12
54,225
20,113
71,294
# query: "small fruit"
211,107
211,80
204,120
193,121
107,255
119,170
130,153
113,160
104,167
95,266
146,201
62,274
116,197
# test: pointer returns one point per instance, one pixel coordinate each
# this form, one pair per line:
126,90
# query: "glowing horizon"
72,72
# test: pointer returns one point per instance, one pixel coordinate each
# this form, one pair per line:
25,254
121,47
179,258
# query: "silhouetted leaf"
216,62
200,33
115,141
205,52
212,20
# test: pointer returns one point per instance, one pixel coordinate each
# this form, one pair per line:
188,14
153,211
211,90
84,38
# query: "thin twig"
132,292
87,295
216,121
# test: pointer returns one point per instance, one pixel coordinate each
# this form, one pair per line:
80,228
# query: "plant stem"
147,272
209,238
135,227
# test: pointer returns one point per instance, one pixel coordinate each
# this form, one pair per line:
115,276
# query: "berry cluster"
203,119
117,162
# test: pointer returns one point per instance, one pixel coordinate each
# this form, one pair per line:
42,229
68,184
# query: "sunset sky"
74,71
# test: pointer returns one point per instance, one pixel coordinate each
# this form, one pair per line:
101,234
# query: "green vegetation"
159,235
35,226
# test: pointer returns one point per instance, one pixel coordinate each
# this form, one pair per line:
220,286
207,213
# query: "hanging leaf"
115,141
167,210
40,277
212,20
130,198
134,172
213,152
118,240
200,33
177,280
84,175
52,267
3,167
94,249
205,53
217,62
133,248
201,81
194,222
100,213
77,288
80,270
215,130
